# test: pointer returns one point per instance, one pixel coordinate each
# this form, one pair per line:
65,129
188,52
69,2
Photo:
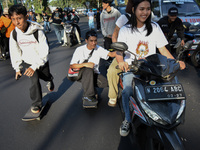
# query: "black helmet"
107,1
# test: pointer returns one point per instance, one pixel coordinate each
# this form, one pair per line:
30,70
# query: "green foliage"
72,3
198,2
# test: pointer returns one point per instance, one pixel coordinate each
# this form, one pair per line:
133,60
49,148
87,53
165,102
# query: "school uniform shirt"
27,48
82,53
122,20
91,15
139,43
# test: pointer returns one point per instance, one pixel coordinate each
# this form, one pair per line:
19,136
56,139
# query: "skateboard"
29,116
90,106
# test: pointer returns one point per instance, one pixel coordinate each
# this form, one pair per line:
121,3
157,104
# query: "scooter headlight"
154,116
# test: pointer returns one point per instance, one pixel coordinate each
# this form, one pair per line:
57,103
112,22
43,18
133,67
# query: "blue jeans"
127,92
47,26
59,30
91,24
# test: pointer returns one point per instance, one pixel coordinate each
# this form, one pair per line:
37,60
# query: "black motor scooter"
191,49
159,101
70,33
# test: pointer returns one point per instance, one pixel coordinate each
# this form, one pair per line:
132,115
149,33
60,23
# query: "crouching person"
30,50
87,59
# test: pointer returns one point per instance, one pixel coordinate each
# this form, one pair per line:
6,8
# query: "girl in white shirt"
142,37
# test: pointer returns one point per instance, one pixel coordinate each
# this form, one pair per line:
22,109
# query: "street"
66,125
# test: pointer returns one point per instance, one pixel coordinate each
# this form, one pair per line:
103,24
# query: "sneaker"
125,128
112,102
50,85
89,102
79,43
2,58
64,44
35,109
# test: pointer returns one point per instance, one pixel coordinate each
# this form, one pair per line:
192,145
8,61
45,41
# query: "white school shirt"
122,20
90,15
139,43
82,53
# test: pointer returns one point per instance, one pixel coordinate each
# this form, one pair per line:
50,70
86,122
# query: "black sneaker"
3,58
50,85
35,109
89,102
125,128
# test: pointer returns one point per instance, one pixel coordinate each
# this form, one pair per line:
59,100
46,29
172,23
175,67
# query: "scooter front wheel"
195,58
69,41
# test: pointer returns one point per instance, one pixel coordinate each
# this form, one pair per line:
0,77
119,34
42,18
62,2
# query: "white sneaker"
112,102
64,44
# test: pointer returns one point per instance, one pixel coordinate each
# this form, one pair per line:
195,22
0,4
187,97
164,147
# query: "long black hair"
133,20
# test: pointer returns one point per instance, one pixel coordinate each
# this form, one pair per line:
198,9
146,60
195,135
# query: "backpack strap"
35,34
128,17
14,34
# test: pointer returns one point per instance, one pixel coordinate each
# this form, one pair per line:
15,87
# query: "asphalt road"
66,125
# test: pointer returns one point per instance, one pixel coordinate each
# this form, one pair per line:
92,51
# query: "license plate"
165,92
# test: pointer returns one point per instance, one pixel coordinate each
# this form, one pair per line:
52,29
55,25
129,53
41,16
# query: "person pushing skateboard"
29,49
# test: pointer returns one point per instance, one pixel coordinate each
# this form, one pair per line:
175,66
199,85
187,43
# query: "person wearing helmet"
171,23
108,18
69,16
57,19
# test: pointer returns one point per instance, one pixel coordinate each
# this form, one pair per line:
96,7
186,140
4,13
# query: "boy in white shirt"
90,75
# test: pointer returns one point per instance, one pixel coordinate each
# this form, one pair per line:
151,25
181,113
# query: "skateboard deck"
29,116
89,106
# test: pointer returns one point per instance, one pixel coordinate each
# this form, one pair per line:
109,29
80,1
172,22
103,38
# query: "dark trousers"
90,80
5,45
107,43
35,89
98,25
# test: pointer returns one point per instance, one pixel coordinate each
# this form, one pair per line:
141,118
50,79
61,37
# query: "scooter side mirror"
119,46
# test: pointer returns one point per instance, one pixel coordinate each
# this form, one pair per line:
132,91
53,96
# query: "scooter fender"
170,138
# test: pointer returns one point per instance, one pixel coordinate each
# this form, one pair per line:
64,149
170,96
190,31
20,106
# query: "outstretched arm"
166,53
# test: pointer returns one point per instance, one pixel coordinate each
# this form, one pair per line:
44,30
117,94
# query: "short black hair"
90,33
18,9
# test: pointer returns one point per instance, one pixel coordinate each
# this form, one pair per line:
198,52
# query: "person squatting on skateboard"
87,58
30,53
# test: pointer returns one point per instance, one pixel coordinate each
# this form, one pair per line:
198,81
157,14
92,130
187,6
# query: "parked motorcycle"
159,101
70,33
192,42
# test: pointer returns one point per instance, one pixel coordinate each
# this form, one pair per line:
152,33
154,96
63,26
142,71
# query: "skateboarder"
30,51
90,76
